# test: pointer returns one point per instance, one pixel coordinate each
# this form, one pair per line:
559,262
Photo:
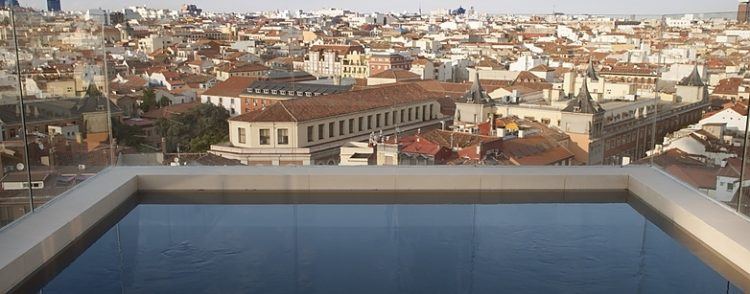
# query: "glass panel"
65,111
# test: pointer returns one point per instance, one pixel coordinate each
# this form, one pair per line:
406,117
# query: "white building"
98,15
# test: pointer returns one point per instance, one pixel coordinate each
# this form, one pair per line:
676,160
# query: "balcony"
41,248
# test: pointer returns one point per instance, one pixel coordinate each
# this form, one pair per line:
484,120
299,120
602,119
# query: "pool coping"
31,242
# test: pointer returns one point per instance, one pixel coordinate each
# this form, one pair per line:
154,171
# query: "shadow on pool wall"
512,248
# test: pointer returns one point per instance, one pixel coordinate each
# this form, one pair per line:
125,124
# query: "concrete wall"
35,239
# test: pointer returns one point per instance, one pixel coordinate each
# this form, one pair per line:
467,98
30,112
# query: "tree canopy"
196,129
127,135
149,100
164,101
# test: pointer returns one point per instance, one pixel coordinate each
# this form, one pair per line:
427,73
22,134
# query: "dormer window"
283,92
257,91
274,92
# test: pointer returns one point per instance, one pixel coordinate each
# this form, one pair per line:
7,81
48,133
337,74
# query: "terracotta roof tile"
311,108
232,87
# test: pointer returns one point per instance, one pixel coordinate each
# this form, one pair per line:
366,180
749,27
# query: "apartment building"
380,62
355,65
602,131
310,130
327,60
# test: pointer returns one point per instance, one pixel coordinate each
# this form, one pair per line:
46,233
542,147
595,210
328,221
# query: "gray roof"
583,103
693,80
476,93
590,72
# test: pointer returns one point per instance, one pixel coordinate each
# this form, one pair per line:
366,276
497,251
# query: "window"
241,135
282,136
377,120
409,112
387,118
265,136
330,129
360,123
402,116
730,187
341,128
320,131
416,113
351,125
310,134
369,122
394,117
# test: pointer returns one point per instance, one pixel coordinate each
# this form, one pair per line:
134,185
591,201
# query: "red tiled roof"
168,111
535,150
232,87
397,74
310,108
250,67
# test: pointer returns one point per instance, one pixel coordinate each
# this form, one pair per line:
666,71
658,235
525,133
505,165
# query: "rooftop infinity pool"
386,248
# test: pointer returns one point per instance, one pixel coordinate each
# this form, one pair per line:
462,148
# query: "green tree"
149,100
164,101
195,130
132,136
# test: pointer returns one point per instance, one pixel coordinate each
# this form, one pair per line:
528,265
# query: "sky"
488,6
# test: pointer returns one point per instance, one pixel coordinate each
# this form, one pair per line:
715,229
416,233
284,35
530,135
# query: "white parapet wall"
34,240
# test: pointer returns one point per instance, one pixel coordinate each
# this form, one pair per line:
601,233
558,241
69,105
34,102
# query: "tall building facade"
10,3
53,5
743,11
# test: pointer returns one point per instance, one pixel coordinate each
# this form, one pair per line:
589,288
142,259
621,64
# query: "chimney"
163,145
520,134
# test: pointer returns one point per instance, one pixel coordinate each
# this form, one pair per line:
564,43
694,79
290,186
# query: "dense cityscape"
338,87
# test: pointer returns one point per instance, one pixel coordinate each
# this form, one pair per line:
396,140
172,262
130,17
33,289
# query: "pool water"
500,248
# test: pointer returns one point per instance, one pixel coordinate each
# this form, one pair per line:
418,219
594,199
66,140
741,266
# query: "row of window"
366,123
264,136
284,92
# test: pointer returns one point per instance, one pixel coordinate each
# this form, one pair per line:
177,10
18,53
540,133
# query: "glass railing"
57,117
140,87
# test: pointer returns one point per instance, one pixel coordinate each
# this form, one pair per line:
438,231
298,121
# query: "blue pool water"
507,248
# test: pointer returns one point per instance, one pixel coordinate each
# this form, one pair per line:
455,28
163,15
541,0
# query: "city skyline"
526,7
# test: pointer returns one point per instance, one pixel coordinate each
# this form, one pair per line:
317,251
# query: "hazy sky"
491,6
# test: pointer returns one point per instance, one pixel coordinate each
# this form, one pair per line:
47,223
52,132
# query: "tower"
10,3
743,11
476,106
691,88
583,120
53,5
